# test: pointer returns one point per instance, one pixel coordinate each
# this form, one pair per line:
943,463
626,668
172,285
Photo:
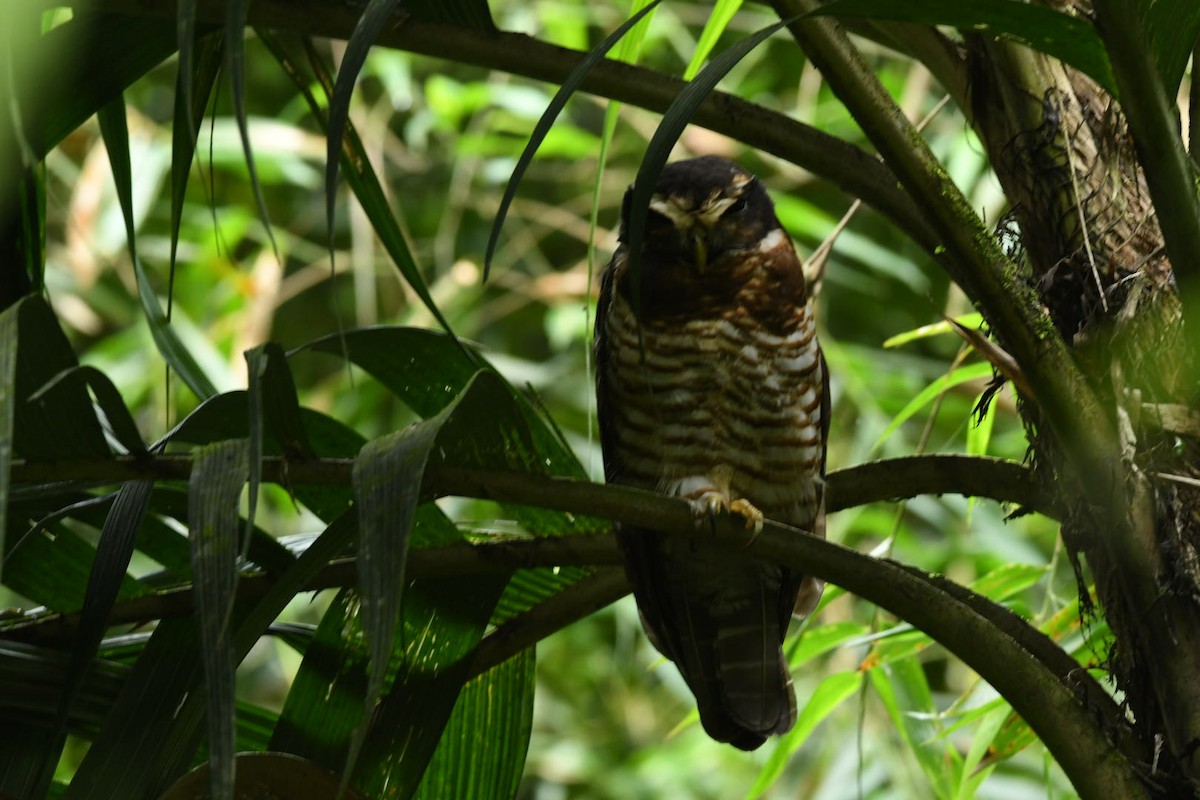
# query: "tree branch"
1020,662
854,170
888,479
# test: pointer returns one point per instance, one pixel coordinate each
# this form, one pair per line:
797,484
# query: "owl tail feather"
749,694
724,629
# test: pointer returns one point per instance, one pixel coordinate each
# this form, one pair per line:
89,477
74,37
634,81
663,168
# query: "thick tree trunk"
1085,234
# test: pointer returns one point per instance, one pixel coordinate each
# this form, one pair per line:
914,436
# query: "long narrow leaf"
122,759
356,166
97,56
369,26
218,475
722,14
236,14
193,87
387,486
114,129
970,372
830,693
1172,26
546,121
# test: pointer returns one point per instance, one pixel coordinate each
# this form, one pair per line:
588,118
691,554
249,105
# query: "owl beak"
700,250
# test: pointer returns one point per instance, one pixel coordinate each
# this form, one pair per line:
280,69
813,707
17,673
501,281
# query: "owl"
711,386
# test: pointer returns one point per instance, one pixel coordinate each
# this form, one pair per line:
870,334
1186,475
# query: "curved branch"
854,170
875,481
1039,680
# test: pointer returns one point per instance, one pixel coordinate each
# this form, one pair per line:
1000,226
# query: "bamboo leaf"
356,166
905,693
973,320
970,372
722,14
830,693
980,745
821,639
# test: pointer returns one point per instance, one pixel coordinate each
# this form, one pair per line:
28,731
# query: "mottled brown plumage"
725,403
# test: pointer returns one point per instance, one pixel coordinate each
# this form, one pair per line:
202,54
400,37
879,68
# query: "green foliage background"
892,714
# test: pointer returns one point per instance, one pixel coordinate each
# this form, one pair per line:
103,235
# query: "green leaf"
325,702
113,128
52,566
1172,26
830,693
33,351
1072,40
236,14
544,123
427,370
444,621
722,14
500,701
107,52
377,14
120,421
356,166
105,581
218,475
821,639
123,758
902,688
1006,580
387,488
927,395
981,743
973,320
193,87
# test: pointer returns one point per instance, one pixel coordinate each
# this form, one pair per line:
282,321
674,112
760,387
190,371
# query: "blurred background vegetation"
899,718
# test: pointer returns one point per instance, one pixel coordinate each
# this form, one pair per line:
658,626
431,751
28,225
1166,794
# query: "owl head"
703,210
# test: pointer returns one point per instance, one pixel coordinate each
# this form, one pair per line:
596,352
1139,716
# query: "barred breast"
720,399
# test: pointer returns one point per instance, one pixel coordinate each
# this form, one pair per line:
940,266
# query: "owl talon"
754,517
708,506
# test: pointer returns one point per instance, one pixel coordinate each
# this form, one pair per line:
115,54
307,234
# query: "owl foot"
754,517
710,504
